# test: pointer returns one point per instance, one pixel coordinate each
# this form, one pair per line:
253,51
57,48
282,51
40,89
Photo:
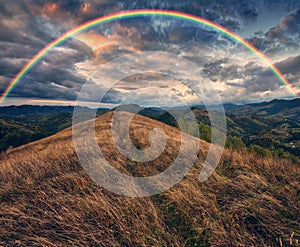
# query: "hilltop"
47,199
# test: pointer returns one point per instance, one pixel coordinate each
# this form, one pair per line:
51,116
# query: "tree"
205,132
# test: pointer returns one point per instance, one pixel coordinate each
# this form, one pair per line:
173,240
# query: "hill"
277,108
274,124
280,135
276,132
26,123
47,199
35,110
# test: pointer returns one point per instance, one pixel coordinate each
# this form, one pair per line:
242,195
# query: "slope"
47,199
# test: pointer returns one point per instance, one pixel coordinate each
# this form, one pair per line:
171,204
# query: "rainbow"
142,13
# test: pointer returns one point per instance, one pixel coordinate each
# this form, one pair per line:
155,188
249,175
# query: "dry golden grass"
47,199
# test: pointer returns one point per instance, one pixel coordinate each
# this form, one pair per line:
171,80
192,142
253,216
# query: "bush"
234,143
205,132
260,151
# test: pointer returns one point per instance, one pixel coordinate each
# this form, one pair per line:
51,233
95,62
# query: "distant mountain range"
8,112
267,124
278,108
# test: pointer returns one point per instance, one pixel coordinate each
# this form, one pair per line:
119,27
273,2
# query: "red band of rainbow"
140,13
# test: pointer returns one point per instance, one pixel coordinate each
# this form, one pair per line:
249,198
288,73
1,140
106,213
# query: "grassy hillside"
47,199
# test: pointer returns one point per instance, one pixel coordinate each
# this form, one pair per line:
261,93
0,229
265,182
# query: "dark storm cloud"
291,67
27,26
57,67
281,38
22,35
11,62
56,72
46,82
49,74
43,90
223,70
78,10
263,81
11,8
46,7
227,13
19,29
253,77
71,52
73,6
10,67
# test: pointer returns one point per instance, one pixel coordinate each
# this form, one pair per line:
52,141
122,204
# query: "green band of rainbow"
140,13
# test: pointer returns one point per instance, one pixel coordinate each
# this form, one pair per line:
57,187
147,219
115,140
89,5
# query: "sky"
95,57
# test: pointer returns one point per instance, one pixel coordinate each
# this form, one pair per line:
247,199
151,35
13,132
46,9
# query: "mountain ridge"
251,123
276,107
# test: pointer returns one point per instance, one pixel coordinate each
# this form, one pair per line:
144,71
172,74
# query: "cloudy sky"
226,69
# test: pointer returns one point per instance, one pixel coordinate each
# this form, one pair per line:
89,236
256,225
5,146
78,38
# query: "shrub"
234,143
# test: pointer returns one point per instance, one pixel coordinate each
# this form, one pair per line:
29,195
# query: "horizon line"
61,102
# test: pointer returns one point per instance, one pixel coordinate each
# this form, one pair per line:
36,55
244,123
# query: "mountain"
47,199
151,112
277,131
268,124
23,124
29,110
276,108
23,111
279,134
225,106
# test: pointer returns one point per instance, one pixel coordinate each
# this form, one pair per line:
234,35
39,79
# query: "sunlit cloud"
234,72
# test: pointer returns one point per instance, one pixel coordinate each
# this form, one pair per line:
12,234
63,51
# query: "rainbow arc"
143,13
